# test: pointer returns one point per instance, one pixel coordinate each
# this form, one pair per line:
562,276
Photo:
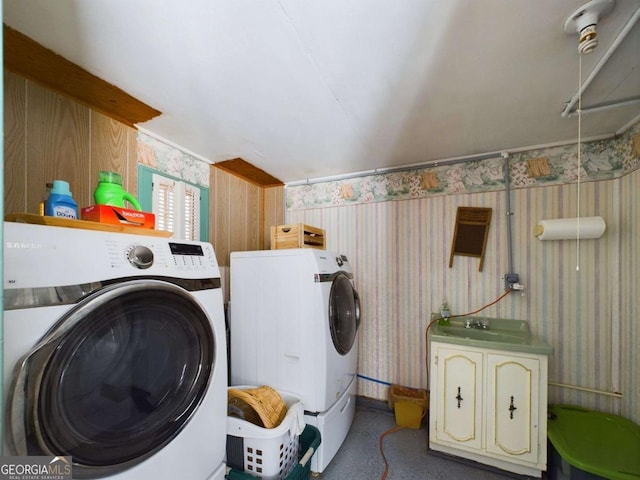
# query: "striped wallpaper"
400,253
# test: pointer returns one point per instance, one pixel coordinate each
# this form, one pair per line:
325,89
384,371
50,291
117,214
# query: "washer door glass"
344,313
117,378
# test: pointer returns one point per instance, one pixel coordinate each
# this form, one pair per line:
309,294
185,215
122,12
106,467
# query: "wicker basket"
266,453
263,406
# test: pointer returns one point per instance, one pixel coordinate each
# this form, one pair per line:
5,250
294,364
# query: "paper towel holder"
584,228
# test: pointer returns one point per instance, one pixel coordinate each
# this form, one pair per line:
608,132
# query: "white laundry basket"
266,453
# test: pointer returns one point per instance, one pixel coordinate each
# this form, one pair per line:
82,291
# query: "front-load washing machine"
294,326
114,353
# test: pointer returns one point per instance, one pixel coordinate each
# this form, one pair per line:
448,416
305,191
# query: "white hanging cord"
579,160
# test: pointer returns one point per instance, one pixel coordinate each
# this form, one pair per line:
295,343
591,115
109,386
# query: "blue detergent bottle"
60,202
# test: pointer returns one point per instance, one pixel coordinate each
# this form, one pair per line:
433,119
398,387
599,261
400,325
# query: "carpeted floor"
406,451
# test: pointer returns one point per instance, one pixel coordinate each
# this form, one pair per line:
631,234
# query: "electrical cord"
386,464
486,306
426,333
426,347
384,434
431,323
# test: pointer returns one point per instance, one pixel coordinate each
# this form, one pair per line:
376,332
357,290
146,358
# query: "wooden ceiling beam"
243,169
27,58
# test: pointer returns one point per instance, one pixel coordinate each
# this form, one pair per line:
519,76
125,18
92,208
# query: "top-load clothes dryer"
294,326
114,353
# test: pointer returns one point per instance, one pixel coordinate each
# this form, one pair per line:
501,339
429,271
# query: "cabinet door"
459,390
512,406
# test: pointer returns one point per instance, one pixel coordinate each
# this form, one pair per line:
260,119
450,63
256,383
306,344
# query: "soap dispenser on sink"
445,313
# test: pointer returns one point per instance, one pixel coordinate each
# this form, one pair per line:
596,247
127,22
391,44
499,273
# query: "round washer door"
344,313
116,379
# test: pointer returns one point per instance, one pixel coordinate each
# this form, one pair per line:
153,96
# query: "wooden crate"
296,236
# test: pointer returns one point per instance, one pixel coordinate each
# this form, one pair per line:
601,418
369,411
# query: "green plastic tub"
586,445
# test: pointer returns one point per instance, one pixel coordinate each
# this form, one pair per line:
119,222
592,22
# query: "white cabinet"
513,407
460,405
489,406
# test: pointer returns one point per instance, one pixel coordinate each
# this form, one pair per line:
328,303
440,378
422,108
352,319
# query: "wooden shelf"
70,223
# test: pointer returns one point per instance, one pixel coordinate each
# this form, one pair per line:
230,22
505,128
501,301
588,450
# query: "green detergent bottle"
110,192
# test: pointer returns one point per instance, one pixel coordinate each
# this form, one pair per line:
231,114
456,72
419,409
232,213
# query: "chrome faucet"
483,324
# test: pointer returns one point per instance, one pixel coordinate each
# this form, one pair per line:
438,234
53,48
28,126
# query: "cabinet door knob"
512,408
459,397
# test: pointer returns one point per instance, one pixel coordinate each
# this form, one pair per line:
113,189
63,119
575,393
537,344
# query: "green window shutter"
180,207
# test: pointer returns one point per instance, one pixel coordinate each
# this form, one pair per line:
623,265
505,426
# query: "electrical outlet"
510,279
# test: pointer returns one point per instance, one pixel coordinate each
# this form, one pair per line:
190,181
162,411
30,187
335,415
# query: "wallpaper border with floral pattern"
171,160
600,160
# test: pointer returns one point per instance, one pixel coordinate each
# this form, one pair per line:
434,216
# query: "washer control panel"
161,257
192,256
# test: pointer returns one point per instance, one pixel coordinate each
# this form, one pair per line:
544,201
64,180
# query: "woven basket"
262,406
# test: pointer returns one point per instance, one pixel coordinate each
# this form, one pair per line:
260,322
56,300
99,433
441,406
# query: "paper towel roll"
567,228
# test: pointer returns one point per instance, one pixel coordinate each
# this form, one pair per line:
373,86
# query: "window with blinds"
176,206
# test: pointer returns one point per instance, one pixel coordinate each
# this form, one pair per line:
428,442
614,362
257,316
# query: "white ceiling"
306,89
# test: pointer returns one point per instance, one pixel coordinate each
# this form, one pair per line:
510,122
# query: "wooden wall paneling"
273,212
57,146
109,149
265,239
15,179
254,215
131,179
219,203
238,225
238,211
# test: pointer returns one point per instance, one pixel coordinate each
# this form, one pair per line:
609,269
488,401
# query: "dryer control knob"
339,261
140,257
